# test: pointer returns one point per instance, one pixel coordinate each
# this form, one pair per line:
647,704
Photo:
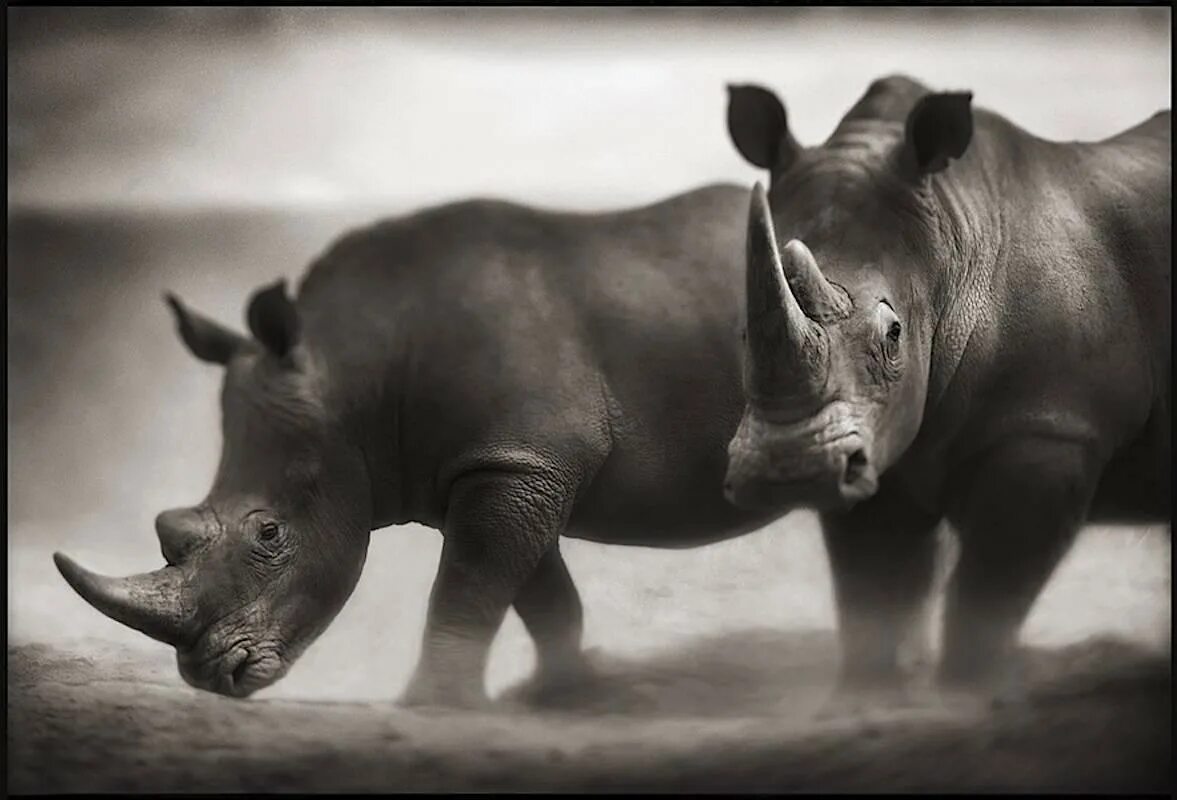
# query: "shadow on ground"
734,712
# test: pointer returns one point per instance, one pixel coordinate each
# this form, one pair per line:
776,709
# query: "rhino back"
1093,261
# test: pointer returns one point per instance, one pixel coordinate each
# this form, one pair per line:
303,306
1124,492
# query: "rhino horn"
151,602
822,300
788,351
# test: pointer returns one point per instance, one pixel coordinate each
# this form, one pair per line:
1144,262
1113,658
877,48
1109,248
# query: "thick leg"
550,609
1017,515
882,559
498,527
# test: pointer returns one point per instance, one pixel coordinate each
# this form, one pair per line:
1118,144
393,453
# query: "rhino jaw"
151,603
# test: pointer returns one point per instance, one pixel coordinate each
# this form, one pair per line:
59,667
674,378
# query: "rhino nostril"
855,466
239,673
180,531
173,548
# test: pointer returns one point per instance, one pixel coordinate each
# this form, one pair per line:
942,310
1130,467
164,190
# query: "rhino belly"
654,508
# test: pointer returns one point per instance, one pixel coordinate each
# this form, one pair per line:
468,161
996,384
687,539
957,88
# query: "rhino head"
263,564
841,316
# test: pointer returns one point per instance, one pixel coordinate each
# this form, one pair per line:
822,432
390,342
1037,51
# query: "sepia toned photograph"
589,400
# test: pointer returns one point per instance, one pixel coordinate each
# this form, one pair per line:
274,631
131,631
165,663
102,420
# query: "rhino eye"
272,547
889,330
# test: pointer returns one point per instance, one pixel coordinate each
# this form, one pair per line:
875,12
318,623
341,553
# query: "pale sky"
403,107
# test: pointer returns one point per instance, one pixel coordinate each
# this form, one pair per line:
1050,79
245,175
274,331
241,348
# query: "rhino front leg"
498,527
882,561
1017,515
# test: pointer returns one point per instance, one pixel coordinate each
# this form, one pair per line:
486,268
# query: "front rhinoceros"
952,319
503,374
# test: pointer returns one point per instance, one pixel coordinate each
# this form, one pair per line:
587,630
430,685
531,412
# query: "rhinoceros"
949,318
504,374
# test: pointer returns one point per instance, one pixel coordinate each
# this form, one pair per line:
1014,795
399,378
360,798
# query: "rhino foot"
567,686
985,683
430,696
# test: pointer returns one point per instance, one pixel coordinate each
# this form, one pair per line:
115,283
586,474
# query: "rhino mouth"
760,493
835,476
823,461
236,671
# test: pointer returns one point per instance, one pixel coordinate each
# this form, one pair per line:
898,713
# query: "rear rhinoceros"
504,374
950,318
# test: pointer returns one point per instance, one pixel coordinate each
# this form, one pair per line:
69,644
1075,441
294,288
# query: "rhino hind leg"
1017,515
883,563
550,608
499,526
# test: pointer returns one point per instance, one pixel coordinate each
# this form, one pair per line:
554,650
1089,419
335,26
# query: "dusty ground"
709,681
730,713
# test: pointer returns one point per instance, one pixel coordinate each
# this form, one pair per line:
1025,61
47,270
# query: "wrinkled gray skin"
950,318
503,374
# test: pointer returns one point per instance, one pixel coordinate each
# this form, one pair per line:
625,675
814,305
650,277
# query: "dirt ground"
731,713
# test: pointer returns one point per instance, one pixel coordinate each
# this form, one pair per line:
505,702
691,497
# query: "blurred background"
206,151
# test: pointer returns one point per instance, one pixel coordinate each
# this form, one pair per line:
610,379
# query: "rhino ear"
205,339
759,127
939,128
273,319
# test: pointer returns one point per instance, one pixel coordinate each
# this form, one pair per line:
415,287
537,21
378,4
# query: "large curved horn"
788,353
822,300
151,602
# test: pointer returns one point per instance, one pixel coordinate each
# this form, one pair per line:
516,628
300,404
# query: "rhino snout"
785,466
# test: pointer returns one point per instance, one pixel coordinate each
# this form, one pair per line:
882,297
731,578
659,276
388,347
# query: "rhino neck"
373,416
975,231
360,370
